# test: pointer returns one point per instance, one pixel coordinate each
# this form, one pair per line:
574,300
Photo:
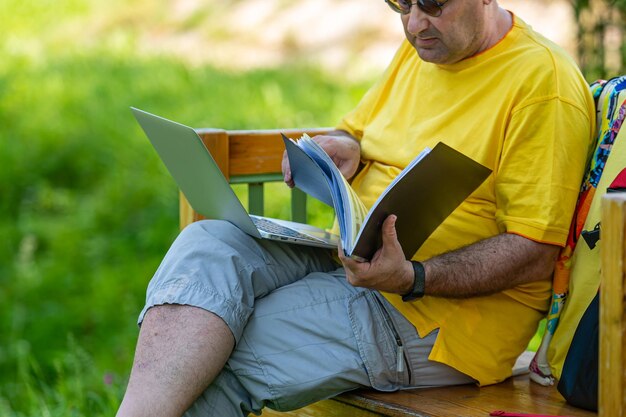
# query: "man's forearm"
489,266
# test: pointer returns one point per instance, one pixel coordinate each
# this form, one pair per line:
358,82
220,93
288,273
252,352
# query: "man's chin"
431,55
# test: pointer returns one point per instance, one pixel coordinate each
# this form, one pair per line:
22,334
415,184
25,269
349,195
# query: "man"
233,324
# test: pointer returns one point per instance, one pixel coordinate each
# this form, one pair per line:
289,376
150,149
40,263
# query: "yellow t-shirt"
521,108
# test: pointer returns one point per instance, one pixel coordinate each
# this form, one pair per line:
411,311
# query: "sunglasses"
430,7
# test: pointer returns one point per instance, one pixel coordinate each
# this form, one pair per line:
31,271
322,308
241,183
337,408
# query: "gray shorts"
302,332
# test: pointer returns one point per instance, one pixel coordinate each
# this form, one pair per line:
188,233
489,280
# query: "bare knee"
172,324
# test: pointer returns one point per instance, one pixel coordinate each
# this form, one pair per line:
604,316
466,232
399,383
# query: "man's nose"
418,20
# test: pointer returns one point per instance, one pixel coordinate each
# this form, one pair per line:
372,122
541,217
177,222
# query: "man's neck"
500,26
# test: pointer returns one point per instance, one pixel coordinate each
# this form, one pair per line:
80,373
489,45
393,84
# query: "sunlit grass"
73,386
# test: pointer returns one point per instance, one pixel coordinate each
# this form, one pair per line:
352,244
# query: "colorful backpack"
577,273
579,378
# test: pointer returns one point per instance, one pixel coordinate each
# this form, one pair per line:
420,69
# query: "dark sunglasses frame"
430,7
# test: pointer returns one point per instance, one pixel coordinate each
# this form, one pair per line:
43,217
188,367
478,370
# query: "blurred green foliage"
87,209
600,37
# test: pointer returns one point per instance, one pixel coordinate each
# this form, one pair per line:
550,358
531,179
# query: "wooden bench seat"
516,394
254,158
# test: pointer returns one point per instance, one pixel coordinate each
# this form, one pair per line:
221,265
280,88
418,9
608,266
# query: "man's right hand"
343,149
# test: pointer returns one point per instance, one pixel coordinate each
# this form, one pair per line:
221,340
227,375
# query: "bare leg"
180,350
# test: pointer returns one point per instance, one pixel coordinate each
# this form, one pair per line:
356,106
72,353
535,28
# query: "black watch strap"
419,282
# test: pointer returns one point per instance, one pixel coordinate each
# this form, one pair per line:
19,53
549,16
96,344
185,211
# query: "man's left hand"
388,270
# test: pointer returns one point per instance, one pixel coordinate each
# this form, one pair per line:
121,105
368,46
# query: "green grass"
88,210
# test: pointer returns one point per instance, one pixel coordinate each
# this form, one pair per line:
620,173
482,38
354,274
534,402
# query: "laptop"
209,193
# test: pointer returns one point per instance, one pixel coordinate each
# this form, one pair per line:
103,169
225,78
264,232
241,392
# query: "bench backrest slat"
251,157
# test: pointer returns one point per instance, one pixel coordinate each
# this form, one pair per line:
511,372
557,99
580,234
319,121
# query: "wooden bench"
254,158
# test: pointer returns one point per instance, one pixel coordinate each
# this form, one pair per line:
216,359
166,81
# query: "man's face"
455,35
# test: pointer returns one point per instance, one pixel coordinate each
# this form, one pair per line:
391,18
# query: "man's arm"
489,266
343,149
486,267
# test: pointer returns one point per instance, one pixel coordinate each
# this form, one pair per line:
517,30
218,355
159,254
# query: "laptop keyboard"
278,229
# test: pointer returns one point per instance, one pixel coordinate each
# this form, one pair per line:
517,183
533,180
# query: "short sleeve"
539,173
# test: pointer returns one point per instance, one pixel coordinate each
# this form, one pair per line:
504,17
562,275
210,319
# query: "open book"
421,196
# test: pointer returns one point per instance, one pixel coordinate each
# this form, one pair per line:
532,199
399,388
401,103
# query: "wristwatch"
419,281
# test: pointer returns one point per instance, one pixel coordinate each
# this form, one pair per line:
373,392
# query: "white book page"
349,209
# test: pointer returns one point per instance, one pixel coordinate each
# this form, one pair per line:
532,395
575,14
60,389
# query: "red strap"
505,414
620,180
